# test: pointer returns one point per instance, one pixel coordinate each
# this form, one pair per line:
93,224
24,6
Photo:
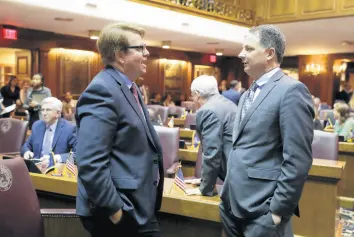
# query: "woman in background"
167,101
10,93
344,125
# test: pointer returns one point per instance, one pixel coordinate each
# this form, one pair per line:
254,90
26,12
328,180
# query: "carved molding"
221,10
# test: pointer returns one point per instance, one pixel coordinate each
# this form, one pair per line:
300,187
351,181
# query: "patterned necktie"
135,93
46,149
248,100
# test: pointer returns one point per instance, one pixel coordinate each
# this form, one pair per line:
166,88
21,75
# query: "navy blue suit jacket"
63,142
232,95
118,152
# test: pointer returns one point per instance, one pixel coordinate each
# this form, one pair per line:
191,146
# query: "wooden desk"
346,153
179,122
186,134
318,205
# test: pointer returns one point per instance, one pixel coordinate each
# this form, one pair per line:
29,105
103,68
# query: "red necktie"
135,93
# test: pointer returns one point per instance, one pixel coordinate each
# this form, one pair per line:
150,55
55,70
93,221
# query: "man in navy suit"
119,155
233,94
50,134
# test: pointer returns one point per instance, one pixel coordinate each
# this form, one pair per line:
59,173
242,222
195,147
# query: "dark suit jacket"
214,122
64,139
232,95
272,153
118,152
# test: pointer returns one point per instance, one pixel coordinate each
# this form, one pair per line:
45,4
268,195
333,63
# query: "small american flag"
70,166
179,179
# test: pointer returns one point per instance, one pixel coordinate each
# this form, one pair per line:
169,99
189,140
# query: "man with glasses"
50,134
119,155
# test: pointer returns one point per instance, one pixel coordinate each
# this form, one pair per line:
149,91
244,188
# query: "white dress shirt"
263,80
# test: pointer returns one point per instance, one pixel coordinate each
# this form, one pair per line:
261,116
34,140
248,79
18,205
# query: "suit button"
155,161
234,147
155,183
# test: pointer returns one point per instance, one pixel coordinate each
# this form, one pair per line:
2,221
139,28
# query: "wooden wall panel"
318,85
316,7
279,11
277,8
347,5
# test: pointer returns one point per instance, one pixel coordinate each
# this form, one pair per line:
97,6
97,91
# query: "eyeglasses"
46,110
139,48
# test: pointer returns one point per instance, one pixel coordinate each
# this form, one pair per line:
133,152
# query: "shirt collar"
126,80
53,126
265,77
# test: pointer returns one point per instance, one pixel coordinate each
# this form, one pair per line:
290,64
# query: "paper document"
8,109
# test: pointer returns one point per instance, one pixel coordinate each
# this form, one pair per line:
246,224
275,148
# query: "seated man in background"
215,121
50,134
233,94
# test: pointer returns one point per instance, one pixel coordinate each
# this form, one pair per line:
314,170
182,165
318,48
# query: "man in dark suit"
119,155
271,155
214,122
233,94
50,134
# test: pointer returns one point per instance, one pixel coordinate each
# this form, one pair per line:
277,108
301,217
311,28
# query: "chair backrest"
327,114
176,110
189,105
190,120
160,110
325,145
12,134
169,138
20,214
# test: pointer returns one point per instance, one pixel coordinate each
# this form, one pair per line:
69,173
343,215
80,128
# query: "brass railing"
213,9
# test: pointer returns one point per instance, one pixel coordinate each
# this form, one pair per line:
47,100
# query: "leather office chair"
20,214
190,120
190,106
169,138
12,134
160,110
325,145
176,110
327,114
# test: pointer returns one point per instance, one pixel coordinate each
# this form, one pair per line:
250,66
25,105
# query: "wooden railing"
213,9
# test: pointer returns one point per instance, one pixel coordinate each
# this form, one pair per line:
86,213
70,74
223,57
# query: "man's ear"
271,53
119,55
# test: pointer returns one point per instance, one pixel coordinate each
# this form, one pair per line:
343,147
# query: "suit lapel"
130,98
41,132
58,131
268,87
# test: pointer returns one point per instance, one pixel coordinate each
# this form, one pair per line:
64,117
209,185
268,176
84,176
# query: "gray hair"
271,37
205,86
54,103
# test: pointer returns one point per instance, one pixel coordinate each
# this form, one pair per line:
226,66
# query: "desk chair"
190,106
176,110
190,121
327,114
20,214
169,138
325,145
161,110
12,134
